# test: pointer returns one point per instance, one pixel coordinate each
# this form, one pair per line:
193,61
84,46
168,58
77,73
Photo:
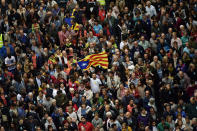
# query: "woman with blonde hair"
171,122
125,127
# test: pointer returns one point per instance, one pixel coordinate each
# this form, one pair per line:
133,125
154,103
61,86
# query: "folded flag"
100,59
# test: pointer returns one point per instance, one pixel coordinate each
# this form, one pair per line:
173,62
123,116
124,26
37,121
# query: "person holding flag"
95,60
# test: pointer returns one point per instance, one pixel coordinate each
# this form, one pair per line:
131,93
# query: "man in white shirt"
72,114
64,57
48,102
88,93
123,43
150,9
10,62
94,83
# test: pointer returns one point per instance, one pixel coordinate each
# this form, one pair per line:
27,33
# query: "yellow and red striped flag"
94,60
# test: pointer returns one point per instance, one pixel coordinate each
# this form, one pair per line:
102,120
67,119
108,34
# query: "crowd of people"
150,84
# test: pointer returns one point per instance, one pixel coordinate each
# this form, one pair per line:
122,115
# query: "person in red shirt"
102,14
84,125
34,59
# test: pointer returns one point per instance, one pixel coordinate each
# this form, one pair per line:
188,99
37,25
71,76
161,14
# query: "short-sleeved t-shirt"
10,61
94,83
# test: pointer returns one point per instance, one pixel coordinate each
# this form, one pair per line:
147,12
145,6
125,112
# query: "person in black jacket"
130,120
32,113
118,32
4,7
75,69
4,115
31,123
167,94
32,16
139,28
21,126
136,51
14,18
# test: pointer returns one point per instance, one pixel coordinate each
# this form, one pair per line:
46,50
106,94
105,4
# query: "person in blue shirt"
162,44
56,10
67,19
187,48
24,40
97,27
7,48
179,110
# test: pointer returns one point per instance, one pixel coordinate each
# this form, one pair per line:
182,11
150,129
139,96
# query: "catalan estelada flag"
94,60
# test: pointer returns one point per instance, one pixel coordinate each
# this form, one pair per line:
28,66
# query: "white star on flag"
84,64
